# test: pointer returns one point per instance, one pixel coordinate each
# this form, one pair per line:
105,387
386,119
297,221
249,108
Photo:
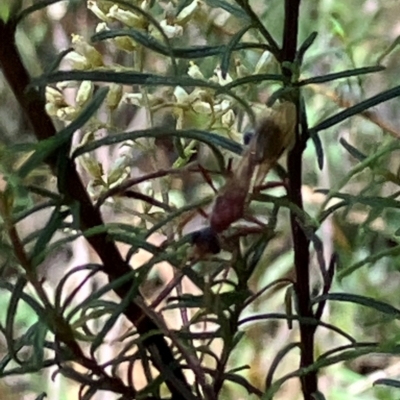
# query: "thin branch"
300,241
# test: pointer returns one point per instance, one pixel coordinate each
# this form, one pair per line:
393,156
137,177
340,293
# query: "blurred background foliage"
364,234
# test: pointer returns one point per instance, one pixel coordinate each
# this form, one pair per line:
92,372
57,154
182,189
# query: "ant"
265,146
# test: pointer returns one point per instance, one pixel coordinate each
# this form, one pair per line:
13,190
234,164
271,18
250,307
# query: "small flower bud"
66,113
181,95
92,56
202,107
51,109
126,17
135,99
118,172
114,96
125,43
77,61
97,11
241,70
171,31
55,97
228,119
187,12
84,93
102,26
92,166
263,63
223,106
220,79
194,71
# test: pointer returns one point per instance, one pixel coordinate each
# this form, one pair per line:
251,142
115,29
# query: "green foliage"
151,111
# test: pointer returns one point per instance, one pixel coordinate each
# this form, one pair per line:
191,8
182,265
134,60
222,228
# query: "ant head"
247,136
206,241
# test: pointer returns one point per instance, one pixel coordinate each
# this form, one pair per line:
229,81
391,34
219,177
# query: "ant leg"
254,220
269,185
207,178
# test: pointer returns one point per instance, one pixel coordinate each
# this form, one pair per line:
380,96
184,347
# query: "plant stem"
300,241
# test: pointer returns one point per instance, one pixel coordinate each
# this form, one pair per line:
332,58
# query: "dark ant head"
206,241
247,136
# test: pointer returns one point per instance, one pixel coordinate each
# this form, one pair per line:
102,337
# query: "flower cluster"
201,107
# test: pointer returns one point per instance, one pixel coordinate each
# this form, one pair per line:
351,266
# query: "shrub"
220,204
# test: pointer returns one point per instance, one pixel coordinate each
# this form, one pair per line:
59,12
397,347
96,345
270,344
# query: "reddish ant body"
273,136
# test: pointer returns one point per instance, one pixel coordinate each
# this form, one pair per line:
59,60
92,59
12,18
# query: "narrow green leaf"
388,50
371,201
178,146
305,46
303,320
57,61
277,359
318,149
204,51
60,291
30,301
320,363
43,192
124,78
373,258
256,78
15,298
225,61
26,213
136,242
38,343
236,340
43,150
211,139
147,79
19,343
117,312
185,301
232,9
257,249
357,109
326,213
362,300
340,75
242,381
109,287
88,111
283,201
388,382
46,234
372,346
144,39
352,150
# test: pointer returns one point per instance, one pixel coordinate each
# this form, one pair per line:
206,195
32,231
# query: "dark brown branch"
300,241
89,217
